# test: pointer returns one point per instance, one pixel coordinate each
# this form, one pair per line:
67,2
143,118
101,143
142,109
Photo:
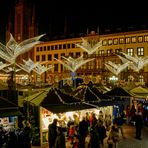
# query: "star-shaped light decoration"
28,65
116,68
40,69
13,49
136,63
87,47
73,64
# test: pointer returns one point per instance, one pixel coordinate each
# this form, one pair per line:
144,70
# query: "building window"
85,54
44,48
37,58
37,49
110,42
48,48
146,38
127,40
140,51
49,57
41,48
109,51
141,78
56,67
130,51
115,41
101,52
71,54
56,56
61,67
68,46
52,47
118,50
55,47
133,39
104,42
60,46
43,58
64,46
62,54
121,40
73,45
140,39
77,54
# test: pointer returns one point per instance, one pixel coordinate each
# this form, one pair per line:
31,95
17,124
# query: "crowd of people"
12,138
92,130
89,132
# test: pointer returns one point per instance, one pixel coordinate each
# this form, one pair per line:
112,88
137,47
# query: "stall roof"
118,92
85,93
8,108
38,97
139,92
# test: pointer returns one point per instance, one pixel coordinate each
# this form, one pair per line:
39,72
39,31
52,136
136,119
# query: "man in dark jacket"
52,133
138,124
83,131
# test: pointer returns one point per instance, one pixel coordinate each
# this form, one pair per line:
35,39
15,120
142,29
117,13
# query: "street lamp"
113,79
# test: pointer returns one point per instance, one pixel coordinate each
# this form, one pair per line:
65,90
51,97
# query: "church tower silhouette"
22,24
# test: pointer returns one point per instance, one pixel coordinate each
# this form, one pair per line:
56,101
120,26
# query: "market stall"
9,113
46,118
53,103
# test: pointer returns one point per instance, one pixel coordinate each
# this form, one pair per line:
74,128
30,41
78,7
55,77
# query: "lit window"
146,38
140,39
115,41
133,39
104,42
110,41
101,52
121,40
140,51
109,51
118,50
127,40
141,78
130,51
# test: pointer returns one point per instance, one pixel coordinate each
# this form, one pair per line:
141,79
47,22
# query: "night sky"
51,16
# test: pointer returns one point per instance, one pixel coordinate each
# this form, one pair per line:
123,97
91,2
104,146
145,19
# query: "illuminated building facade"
23,25
135,42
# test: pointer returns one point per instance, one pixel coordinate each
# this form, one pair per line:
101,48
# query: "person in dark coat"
83,131
60,141
12,140
27,136
2,136
138,124
95,141
52,133
101,131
